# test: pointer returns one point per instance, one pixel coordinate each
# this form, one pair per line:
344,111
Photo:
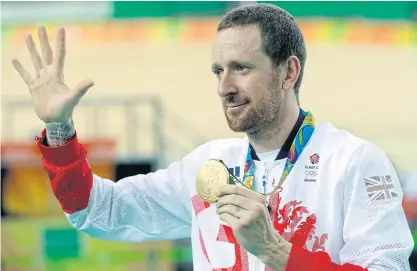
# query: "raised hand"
52,100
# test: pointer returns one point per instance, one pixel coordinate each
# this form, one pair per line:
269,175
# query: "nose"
227,85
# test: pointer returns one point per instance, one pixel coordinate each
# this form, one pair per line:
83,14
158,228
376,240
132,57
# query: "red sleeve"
302,259
69,172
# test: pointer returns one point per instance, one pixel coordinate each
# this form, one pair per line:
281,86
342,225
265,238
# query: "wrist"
276,254
58,134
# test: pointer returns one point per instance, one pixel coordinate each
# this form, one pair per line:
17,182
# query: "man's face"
249,87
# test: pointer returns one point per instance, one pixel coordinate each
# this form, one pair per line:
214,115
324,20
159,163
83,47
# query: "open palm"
52,100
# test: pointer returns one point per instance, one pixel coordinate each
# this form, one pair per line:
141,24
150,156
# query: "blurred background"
155,99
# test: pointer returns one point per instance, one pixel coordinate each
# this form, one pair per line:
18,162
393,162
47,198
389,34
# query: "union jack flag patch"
380,188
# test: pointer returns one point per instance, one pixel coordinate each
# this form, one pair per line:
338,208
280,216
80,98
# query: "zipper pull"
264,183
265,179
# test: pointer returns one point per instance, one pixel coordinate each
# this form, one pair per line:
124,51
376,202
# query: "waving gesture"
52,99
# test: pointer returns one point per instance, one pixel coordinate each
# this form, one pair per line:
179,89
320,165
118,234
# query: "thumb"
81,88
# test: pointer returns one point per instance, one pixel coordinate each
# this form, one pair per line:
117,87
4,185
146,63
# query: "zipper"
265,183
256,264
253,262
265,190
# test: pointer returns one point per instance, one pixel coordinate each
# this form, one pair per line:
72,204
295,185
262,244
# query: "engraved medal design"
209,178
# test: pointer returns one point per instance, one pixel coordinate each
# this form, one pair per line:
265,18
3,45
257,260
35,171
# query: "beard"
253,118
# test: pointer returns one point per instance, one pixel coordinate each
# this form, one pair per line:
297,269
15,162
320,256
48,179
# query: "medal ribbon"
300,141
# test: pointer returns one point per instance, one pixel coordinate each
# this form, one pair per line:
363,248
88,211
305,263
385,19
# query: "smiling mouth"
236,106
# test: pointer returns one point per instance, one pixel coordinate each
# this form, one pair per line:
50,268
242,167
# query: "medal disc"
209,178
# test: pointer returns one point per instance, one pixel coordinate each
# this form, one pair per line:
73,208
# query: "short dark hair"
281,36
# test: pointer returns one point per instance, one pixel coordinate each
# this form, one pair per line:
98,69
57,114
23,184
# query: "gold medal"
209,178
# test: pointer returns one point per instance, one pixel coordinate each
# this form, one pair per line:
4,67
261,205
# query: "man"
309,196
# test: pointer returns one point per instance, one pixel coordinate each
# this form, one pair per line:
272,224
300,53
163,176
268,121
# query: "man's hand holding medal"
245,211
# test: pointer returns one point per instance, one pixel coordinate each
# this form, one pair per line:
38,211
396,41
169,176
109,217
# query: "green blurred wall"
395,10
133,9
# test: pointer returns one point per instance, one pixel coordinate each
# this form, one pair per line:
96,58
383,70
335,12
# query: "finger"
34,54
22,71
231,220
60,50
233,210
236,200
229,189
81,89
46,48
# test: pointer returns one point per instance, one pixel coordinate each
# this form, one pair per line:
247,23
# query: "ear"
293,67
